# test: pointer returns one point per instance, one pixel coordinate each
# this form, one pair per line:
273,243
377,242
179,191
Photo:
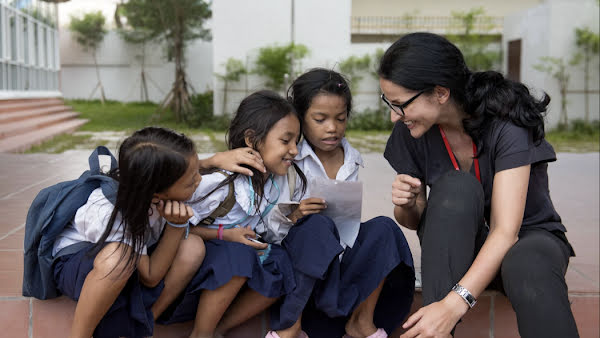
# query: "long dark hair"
420,61
257,114
318,81
150,161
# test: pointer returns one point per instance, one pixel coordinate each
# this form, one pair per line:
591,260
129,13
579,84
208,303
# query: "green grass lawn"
112,122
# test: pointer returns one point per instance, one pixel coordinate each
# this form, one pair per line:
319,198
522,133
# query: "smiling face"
278,149
422,113
325,122
184,187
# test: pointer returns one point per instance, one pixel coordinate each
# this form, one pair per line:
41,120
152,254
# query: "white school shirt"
278,225
91,219
242,213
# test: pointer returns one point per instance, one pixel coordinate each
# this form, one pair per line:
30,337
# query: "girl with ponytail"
477,140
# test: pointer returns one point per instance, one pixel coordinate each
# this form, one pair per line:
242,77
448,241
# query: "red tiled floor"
11,284
580,281
53,317
587,316
11,261
14,318
505,321
476,323
12,242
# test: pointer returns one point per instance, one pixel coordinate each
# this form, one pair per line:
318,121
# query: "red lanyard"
453,159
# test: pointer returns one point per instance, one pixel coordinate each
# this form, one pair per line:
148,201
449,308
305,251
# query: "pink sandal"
380,333
273,334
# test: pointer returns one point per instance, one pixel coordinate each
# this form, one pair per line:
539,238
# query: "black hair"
420,61
318,81
150,161
255,116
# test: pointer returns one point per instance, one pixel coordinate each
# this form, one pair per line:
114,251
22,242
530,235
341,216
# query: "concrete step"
21,142
32,112
26,104
24,126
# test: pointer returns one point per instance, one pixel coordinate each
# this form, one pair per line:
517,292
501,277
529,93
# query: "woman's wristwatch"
465,294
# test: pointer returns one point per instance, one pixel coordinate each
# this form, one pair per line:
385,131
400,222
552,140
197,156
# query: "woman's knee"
532,268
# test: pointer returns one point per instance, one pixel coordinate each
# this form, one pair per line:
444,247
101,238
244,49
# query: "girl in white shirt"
370,289
116,276
268,124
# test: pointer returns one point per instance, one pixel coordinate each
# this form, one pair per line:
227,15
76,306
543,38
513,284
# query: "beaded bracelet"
185,225
220,232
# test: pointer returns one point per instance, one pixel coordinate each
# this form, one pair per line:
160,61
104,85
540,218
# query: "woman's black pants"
532,274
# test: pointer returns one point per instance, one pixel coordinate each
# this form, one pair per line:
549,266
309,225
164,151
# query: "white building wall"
437,7
241,28
549,30
120,68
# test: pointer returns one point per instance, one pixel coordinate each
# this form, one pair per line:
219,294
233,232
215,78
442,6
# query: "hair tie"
340,85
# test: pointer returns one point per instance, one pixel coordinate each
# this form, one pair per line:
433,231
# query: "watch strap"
465,294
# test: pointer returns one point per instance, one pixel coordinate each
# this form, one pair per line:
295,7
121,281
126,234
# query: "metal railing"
29,57
394,25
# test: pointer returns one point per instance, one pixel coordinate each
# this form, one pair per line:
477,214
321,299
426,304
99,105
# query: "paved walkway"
573,183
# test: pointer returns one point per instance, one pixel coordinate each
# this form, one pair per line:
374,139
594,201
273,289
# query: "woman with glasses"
477,141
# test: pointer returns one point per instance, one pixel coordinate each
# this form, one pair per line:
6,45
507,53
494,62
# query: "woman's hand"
307,207
241,235
405,190
232,160
436,319
174,211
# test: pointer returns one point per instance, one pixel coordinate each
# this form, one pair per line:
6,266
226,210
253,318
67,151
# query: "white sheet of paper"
344,204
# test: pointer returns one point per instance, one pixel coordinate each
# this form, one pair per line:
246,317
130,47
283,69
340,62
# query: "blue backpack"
51,210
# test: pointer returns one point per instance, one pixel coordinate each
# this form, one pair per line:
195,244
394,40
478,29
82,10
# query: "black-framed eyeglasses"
399,108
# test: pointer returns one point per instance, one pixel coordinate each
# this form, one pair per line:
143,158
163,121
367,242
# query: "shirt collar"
351,155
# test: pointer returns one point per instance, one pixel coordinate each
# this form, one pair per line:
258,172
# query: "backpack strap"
109,186
95,162
224,207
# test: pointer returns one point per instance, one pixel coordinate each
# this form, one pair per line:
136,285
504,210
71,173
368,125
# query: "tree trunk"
180,101
224,95
586,78
102,96
563,105
143,86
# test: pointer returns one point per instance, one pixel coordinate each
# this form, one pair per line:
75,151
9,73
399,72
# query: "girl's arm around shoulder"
233,160
152,269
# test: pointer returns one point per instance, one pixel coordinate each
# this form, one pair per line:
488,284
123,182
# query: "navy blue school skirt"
329,289
272,278
129,316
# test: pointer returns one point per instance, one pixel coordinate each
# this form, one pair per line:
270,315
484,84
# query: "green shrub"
203,115
369,120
